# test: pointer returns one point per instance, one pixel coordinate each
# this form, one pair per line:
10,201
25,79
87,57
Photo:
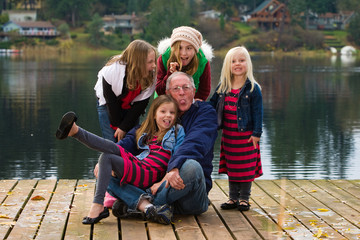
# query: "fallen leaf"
323,209
37,198
7,223
313,191
4,216
289,228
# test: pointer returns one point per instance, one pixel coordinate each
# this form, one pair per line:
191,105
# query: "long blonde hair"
135,57
191,68
149,125
226,75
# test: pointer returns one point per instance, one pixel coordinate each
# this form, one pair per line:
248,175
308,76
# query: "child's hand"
254,140
96,170
174,67
119,134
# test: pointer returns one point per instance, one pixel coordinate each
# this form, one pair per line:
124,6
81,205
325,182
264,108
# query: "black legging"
110,159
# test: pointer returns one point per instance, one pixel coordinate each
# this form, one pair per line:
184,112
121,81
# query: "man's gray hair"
178,74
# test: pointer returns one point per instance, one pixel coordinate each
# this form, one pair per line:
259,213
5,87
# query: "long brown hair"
191,68
135,58
149,125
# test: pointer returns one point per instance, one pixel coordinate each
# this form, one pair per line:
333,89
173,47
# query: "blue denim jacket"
169,142
249,109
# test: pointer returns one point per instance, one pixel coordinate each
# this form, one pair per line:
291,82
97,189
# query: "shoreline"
68,49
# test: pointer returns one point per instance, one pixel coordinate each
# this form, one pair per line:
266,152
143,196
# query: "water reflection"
311,116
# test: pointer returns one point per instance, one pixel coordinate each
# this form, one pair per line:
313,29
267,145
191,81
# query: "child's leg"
95,142
233,196
245,190
107,163
234,188
244,196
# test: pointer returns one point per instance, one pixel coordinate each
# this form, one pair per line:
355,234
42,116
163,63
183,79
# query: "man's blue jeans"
192,199
106,130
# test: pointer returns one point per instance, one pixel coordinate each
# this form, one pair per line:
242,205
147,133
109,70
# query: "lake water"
311,116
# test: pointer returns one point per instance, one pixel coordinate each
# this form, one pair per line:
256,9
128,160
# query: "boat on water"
10,51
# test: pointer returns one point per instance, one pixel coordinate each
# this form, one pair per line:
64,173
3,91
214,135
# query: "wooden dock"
280,209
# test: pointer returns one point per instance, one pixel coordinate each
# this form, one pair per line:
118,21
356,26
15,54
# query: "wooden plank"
356,182
106,228
350,193
265,199
350,187
234,219
5,187
341,197
263,223
55,219
212,225
293,201
329,209
259,220
83,198
186,227
159,231
133,229
32,214
13,204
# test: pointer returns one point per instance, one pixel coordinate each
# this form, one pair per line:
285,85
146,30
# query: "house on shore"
126,24
42,29
269,15
21,15
330,21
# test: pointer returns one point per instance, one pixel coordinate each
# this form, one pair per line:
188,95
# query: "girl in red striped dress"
238,102
157,138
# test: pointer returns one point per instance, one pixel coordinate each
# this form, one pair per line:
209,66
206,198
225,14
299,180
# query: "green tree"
4,18
309,7
354,29
72,11
96,37
137,6
164,17
64,30
349,5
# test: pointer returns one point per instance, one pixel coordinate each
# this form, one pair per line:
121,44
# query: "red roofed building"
270,14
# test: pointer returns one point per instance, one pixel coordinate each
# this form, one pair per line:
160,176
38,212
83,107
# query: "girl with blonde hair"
238,102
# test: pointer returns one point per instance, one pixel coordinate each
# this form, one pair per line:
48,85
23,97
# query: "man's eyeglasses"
185,88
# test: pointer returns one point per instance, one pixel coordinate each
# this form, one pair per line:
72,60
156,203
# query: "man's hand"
174,180
154,188
119,134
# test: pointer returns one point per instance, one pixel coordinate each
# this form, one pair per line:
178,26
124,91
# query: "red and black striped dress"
144,173
238,157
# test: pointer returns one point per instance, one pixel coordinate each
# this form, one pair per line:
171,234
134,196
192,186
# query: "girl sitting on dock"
155,140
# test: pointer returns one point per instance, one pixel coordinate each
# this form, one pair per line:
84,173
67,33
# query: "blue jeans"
106,130
192,199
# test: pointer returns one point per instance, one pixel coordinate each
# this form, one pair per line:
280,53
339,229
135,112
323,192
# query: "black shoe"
104,214
120,210
65,125
162,214
243,205
230,204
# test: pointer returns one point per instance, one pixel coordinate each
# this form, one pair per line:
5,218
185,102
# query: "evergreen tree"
72,11
164,17
354,29
96,35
